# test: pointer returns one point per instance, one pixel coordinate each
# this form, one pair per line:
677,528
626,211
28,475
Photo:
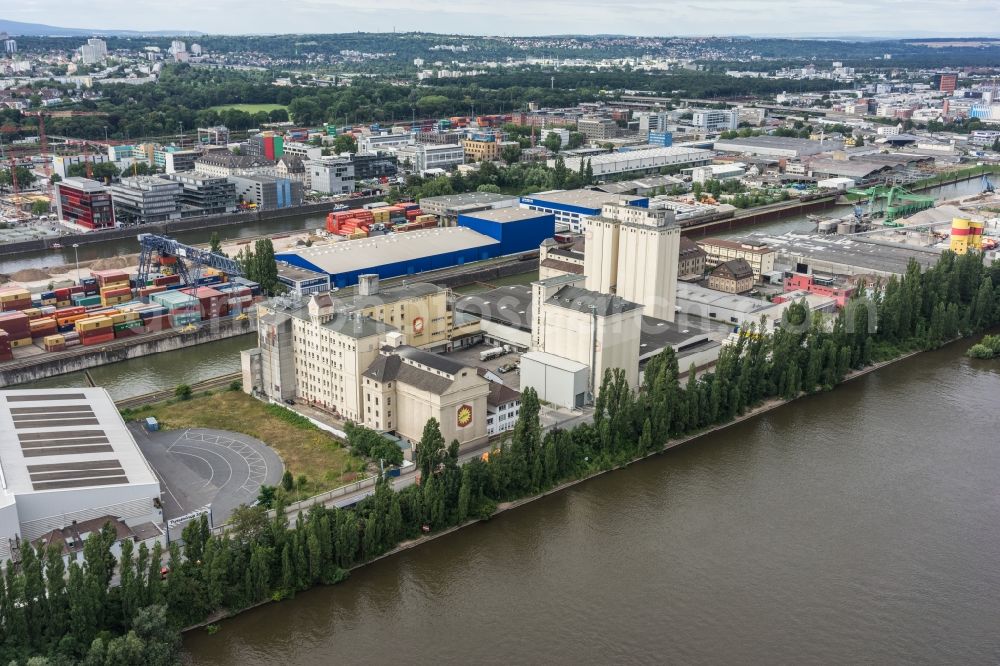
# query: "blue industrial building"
571,206
395,255
517,229
661,139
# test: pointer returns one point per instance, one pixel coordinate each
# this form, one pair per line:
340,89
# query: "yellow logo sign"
464,416
418,325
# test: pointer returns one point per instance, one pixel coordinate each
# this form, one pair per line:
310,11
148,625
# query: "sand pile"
111,263
29,275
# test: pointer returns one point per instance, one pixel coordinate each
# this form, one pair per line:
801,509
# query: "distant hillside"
15,28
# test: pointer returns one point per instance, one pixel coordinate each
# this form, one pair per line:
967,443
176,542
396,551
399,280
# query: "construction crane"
44,145
893,202
189,260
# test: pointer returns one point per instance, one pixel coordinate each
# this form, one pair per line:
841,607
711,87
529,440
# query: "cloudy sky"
528,17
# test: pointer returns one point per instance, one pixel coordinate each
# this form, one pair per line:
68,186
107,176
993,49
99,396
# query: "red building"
947,82
85,202
821,286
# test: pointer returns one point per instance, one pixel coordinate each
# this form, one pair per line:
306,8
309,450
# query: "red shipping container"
15,323
11,306
97,338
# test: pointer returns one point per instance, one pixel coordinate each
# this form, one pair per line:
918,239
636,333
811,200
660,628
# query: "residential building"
405,387
84,202
268,192
423,157
331,175
633,252
573,207
204,195
67,458
485,148
144,199
715,120
759,255
224,164
690,259
733,277
596,128
94,51
503,406
10,46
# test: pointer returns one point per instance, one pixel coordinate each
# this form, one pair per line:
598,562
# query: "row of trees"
517,178
80,616
258,264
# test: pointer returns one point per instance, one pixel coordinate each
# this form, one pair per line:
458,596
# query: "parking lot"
198,467
470,357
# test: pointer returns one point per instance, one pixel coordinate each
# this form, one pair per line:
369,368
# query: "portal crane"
154,247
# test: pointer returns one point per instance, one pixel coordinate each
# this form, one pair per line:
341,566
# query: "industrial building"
449,206
302,281
555,260
144,199
739,311
837,255
633,252
777,146
503,313
67,457
205,195
394,254
641,160
405,387
599,330
517,229
572,207
268,192
84,202
757,253
557,380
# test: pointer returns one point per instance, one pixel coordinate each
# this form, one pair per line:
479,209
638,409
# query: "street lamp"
76,254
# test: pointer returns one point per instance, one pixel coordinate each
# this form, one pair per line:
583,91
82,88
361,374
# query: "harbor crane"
189,260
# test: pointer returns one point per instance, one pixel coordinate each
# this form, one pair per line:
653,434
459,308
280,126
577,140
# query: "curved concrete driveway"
201,466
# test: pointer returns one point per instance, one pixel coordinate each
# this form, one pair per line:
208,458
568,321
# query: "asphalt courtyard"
198,467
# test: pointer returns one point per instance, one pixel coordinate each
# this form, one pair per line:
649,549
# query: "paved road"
200,466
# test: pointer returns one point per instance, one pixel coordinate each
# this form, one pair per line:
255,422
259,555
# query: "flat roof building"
642,160
449,206
516,229
84,202
144,199
777,146
393,255
572,207
67,457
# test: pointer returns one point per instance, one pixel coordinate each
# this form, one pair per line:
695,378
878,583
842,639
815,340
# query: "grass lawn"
249,108
304,448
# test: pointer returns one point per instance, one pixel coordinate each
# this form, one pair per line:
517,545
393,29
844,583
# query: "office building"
301,281
946,82
733,277
144,199
663,139
84,202
573,207
421,157
330,175
204,195
561,132
633,252
715,120
759,255
268,192
171,159
485,147
371,144
596,128
375,166
651,121
61,163
268,145
67,457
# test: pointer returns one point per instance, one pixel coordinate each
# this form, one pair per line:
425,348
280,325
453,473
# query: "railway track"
212,384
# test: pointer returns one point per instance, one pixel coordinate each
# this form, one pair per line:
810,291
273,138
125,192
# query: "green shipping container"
124,326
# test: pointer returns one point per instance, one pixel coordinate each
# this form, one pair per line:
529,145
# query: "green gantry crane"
893,202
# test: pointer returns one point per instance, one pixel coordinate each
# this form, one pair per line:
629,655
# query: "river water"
314,221
856,526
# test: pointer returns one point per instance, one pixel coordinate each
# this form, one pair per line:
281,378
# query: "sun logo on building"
464,416
418,325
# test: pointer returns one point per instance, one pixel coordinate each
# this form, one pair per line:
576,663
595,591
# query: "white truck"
495,352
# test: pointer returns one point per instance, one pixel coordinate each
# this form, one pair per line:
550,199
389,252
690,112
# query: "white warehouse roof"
361,254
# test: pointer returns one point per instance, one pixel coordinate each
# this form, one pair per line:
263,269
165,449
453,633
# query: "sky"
528,17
